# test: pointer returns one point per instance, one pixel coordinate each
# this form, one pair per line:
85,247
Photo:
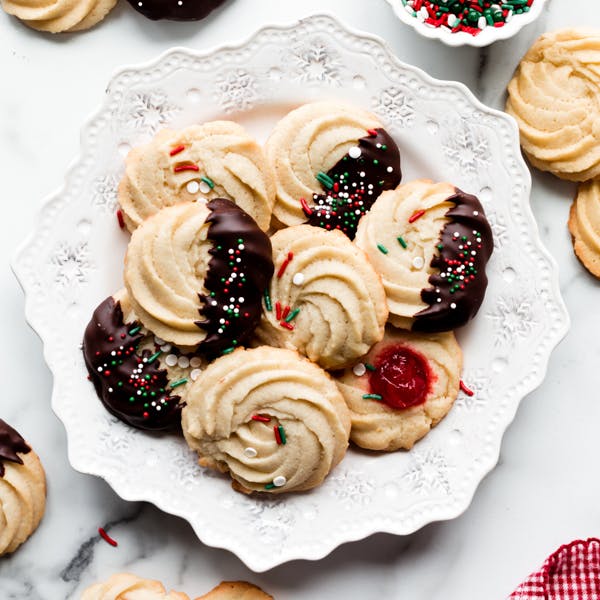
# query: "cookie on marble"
22,490
214,160
325,300
236,590
555,98
140,378
57,16
584,225
331,162
125,586
271,418
195,273
175,10
430,242
402,388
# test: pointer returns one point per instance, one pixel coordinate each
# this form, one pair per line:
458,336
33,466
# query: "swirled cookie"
59,15
215,160
175,10
430,243
140,378
195,260
584,225
402,388
125,586
326,301
555,98
22,490
331,162
236,590
273,419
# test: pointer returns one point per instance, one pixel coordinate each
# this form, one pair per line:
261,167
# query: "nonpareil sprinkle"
470,16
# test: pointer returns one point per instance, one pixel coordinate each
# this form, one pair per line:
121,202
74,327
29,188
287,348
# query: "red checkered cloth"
571,573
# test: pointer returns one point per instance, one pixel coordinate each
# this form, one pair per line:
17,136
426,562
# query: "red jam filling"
402,377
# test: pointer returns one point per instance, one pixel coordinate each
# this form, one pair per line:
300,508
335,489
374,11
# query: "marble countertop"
544,490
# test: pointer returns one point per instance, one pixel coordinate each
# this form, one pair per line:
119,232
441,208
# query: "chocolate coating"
465,246
175,10
376,169
10,443
132,388
240,269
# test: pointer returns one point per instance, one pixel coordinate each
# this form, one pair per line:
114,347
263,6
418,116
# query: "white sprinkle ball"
194,374
354,152
418,262
298,279
192,187
195,362
204,187
158,341
165,347
279,481
390,169
359,369
171,360
183,362
250,452
453,305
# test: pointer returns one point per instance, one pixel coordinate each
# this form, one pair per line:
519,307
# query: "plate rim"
455,505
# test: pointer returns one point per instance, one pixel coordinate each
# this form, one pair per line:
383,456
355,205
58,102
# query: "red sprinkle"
177,150
261,418
287,325
416,216
180,168
305,207
286,312
284,265
372,132
278,310
106,537
465,389
277,435
120,219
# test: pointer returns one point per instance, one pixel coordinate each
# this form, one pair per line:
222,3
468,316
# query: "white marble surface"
544,491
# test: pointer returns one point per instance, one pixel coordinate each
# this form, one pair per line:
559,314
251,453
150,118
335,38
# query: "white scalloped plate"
488,36
73,260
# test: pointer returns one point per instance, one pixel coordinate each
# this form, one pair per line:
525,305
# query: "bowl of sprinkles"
468,22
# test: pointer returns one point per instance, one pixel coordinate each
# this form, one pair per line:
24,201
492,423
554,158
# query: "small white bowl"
488,36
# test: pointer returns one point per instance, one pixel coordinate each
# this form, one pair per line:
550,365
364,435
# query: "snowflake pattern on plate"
513,318
351,488
271,518
499,228
395,106
104,193
478,381
148,112
314,61
71,264
428,472
236,90
466,148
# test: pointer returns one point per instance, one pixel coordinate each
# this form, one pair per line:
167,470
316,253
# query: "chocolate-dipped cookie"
196,272
140,378
331,163
175,10
430,243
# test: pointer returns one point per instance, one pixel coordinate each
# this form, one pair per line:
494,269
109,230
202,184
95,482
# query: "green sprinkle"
134,330
292,315
382,249
228,350
372,397
282,434
268,304
370,367
324,180
209,182
402,242
154,357
179,382
269,486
